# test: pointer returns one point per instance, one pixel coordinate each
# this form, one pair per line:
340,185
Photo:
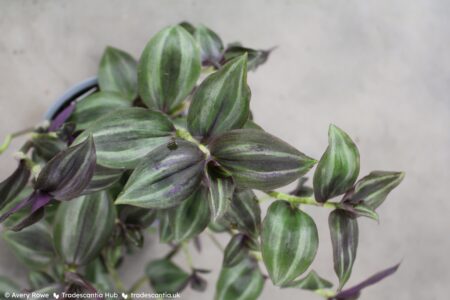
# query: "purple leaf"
62,117
355,290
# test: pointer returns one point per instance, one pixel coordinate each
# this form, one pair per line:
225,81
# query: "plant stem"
188,255
11,136
184,134
215,241
138,284
116,278
303,200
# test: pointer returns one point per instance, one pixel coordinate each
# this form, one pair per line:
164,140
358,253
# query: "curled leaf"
255,57
168,69
289,242
259,160
245,212
338,167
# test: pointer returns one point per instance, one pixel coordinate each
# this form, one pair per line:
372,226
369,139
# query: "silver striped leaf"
373,189
166,176
168,69
344,239
220,193
95,106
255,57
67,174
243,281
338,167
82,227
311,282
211,46
245,212
123,137
32,246
235,251
191,217
165,228
166,277
14,184
289,242
259,160
118,73
103,178
221,102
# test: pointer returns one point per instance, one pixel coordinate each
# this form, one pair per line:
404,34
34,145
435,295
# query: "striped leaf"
211,46
32,246
137,216
95,106
373,189
221,102
338,167
220,192
118,73
245,212
168,69
123,137
243,281
67,174
344,239
166,277
165,228
259,160
289,242
235,251
14,184
191,217
46,147
165,177
311,282
255,57
103,178
83,226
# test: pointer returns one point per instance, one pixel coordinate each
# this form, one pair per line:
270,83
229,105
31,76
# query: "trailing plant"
151,147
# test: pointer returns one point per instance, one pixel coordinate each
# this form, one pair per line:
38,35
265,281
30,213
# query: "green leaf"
67,174
11,187
255,57
46,147
165,228
118,73
221,102
220,192
245,212
259,160
95,106
103,178
250,124
83,226
344,239
365,211
165,177
191,217
211,46
311,282
338,167
123,137
168,69
39,279
302,190
373,189
166,277
188,27
243,281
32,246
235,251
137,216
289,242
98,275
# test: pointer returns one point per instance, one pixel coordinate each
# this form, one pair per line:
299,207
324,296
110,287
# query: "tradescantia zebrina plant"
168,142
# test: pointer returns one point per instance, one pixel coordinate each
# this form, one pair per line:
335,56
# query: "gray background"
378,69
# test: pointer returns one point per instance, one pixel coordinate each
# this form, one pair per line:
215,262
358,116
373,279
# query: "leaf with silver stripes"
289,242
221,102
14,184
211,46
123,137
310,282
235,251
373,189
245,212
344,239
83,226
103,178
118,73
191,217
259,160
165,177
67,174
168,69
243,281
166,277
165,228
95,106
220,192
338,167
255,57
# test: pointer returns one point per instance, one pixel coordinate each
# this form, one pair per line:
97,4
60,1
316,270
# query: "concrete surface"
378,69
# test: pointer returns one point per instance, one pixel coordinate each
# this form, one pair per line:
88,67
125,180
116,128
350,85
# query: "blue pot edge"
68,95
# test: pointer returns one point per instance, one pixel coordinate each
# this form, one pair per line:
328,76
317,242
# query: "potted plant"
147,145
